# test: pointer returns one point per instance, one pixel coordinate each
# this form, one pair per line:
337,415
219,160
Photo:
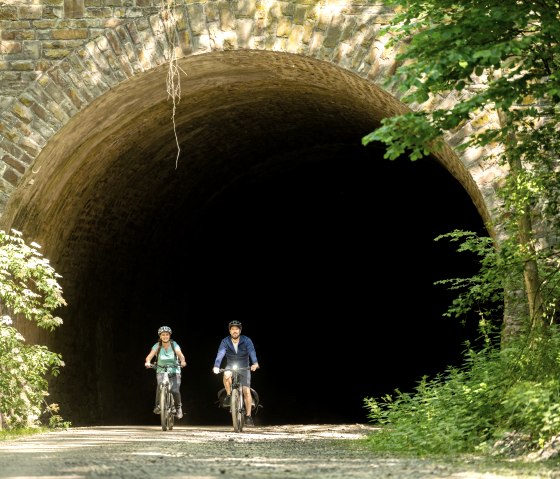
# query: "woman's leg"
176,391
175,388
159,377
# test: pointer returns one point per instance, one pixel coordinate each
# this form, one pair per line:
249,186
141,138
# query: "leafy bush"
502,389
29,290
469,409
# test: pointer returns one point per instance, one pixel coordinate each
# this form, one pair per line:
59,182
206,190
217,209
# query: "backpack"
255,406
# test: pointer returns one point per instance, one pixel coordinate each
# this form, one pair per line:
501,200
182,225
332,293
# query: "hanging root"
173,81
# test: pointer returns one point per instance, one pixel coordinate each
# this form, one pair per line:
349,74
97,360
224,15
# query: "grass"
517,467
6,435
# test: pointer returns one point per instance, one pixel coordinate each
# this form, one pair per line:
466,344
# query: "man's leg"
227,382
248,400
227,386
248,405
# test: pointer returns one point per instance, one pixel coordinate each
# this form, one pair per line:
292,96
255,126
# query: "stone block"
23,65
7,35
30,12
73,8
8,12
198,23
70,34
55,54
246,8
300,14
15,164
9,47
11,176
32,49
227,17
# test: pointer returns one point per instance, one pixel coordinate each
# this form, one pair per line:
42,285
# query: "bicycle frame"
237,407
166,400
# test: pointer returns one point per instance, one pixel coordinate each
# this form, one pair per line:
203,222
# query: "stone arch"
342,34
262,87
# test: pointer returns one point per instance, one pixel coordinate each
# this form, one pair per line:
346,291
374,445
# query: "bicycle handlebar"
234,369
164,366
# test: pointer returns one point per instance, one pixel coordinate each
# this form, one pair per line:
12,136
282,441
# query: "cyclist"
168,353
237,349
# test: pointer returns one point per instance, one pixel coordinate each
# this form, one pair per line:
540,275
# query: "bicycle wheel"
163,407
236,410
171,414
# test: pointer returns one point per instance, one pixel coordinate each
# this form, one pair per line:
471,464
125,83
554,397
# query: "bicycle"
237,406
166,400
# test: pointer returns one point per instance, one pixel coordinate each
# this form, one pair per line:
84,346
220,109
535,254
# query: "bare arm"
181,357
149,358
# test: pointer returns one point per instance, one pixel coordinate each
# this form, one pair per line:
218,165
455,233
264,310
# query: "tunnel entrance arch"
130,232
275,215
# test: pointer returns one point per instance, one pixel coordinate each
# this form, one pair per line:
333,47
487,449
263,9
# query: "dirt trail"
290,451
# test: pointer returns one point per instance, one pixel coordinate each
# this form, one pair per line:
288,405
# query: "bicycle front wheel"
237,410
163,407
170,412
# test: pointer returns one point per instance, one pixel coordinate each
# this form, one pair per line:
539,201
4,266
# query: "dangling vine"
173,82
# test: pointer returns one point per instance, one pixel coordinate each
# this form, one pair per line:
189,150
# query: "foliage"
499,59
482,292
511,46
499,391
470,409
28,289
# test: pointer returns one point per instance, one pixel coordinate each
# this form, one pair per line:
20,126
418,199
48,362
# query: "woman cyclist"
167,353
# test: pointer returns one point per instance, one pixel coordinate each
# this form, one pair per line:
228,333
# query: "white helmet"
164,329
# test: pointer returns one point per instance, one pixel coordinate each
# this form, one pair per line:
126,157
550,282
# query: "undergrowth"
504,399
497,394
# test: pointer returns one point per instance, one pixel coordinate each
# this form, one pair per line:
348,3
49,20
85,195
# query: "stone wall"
34,36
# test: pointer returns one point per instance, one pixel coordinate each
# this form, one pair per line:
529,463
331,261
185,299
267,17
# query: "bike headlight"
234,367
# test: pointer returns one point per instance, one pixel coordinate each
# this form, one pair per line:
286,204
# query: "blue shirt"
245,351
167,358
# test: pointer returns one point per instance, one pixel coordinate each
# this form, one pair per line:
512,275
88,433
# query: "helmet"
234,323
164,329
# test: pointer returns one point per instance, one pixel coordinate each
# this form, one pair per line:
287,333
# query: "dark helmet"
164,329
234,323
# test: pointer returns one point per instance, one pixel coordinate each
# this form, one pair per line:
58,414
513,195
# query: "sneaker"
157,410
179,413
249,421
227,401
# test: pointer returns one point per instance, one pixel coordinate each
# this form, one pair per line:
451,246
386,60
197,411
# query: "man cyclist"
168,353
238,350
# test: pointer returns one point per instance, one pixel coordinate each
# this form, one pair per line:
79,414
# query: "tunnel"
261,205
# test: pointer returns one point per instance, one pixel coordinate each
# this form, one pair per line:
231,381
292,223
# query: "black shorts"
244,377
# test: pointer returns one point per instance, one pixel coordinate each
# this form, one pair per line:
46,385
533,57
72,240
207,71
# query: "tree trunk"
531,281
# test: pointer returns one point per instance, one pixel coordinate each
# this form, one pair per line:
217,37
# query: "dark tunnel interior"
330,267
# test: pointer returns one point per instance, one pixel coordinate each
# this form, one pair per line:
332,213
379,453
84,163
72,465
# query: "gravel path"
290,451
